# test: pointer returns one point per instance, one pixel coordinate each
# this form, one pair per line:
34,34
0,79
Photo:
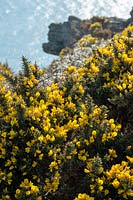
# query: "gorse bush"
72,139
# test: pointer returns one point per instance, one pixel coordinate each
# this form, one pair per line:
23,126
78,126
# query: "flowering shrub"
114,85
98,28
88,40
66,141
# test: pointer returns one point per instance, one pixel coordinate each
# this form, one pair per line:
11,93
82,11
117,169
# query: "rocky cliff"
66,34
62,35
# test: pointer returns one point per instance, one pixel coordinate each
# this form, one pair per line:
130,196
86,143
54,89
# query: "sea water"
24,24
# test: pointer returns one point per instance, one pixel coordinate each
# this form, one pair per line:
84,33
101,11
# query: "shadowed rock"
65,34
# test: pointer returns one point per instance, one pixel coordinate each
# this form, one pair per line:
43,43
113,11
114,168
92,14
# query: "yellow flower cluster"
52,186
121,177
87,40
83,197
95,25
120,76
28,189
113,133
57,138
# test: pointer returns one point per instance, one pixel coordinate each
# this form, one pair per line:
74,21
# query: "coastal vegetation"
72,139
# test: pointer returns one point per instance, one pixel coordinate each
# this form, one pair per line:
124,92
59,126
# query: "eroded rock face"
65,34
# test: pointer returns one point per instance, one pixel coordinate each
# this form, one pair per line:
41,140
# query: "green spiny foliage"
66,141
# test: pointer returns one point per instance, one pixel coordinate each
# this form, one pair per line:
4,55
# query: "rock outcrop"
63,35
66,34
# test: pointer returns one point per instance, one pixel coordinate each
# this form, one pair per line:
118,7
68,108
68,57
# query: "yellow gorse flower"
57,136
